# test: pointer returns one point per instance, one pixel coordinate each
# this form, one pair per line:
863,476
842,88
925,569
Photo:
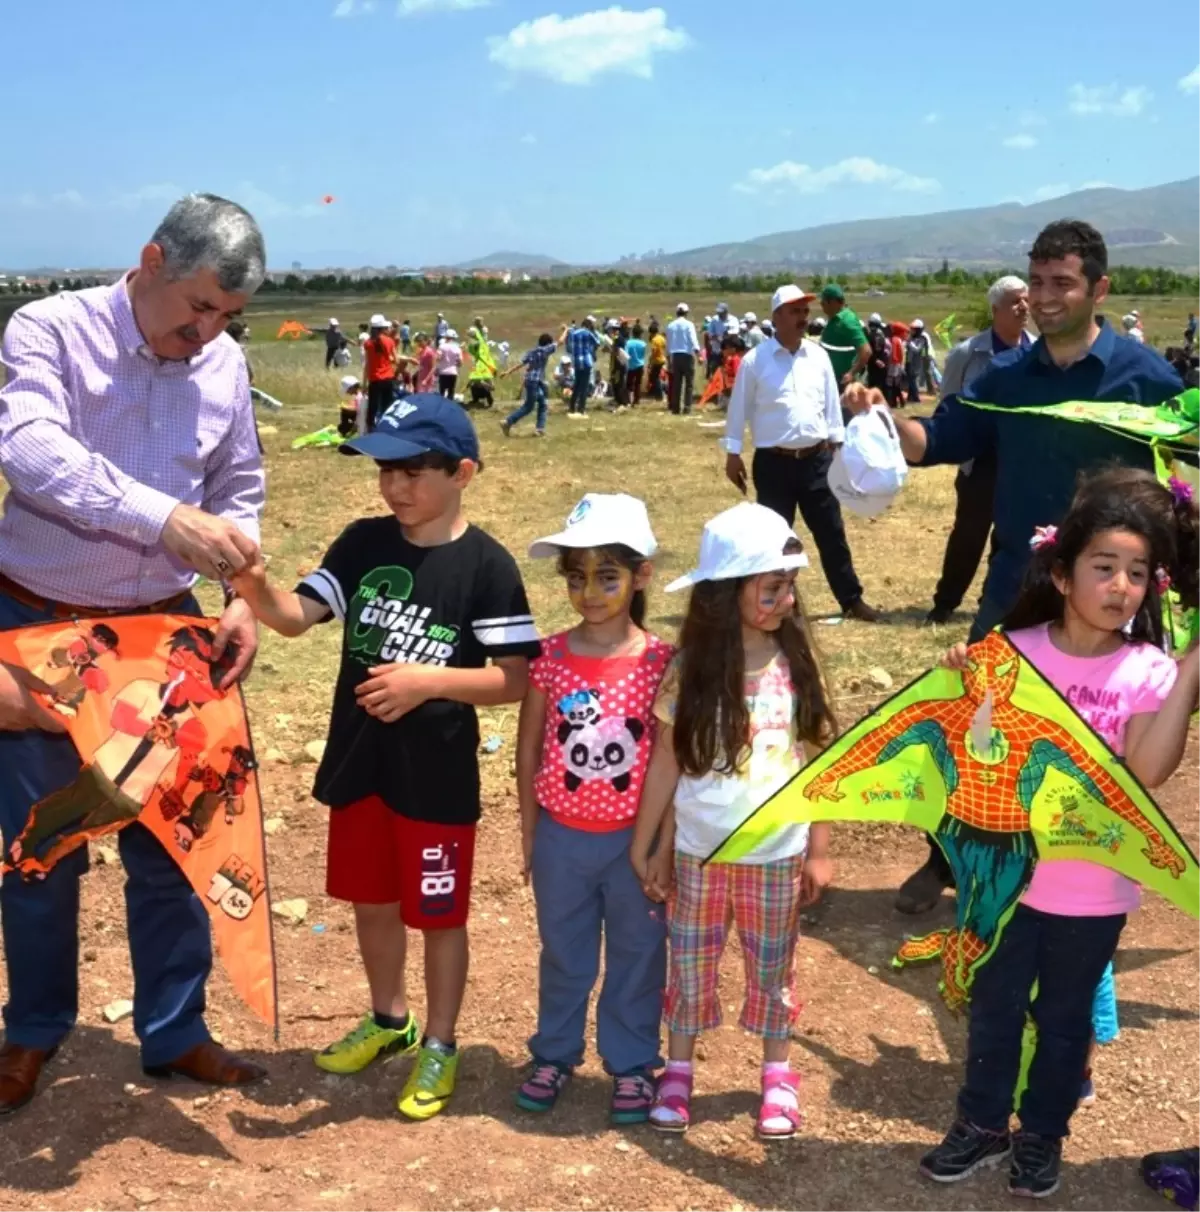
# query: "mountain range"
1159,225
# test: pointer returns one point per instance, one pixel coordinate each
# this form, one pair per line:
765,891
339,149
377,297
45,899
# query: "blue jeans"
1067,957
535,397
585,886
582,388
169,941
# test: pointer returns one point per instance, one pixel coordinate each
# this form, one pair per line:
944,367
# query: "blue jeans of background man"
1066,956
584,886
582,388
535,397
169,941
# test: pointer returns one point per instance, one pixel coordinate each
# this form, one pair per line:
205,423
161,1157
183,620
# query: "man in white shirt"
682,347
787,391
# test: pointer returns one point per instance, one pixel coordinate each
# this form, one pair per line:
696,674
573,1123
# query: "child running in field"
587,729
1089,618
436,623
742,705
534,387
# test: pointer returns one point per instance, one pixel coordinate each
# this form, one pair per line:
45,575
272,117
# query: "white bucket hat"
378,321
348,382
744,541
602,519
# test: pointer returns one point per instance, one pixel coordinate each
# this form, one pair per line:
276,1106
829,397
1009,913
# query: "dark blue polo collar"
1102,347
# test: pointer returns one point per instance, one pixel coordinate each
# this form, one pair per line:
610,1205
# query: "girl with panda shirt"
586,732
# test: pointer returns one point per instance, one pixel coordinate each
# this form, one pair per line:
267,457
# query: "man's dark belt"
66,610
802,453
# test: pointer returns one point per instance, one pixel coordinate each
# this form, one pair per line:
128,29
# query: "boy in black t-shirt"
436,623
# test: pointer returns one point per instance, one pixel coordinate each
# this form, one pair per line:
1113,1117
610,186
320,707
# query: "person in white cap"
787,393
380,367
586,733
440,328
716,328
1132,325
352,407
741,707
752,334
918,360
682,347
335,340
449,359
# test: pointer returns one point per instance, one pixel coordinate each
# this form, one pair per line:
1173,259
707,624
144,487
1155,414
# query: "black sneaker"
1033,1172
965,1149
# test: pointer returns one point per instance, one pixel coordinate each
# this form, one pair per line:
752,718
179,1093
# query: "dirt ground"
881,1060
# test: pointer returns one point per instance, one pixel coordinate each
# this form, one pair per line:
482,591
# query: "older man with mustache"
128,443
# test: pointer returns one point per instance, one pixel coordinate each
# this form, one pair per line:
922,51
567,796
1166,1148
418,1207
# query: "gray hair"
203,231
1004,286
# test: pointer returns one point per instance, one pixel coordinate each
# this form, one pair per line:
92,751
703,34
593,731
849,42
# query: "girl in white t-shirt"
737,710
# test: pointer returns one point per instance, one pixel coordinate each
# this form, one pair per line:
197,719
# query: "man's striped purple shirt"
100,440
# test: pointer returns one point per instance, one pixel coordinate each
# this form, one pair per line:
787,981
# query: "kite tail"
920,949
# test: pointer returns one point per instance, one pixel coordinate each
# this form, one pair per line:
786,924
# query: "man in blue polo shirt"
582,344
1038,458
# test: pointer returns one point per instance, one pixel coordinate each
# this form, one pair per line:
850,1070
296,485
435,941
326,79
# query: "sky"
449,129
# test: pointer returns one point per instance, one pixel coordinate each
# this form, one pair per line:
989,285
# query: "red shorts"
378,857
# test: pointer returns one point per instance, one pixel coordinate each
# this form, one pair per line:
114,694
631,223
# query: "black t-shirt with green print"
455,605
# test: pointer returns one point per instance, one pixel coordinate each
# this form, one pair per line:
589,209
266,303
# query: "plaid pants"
761,899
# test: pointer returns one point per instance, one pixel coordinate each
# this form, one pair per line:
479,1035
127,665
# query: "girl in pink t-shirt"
586,732
1090,620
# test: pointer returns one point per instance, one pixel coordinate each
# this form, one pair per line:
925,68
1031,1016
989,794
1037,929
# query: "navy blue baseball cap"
420,424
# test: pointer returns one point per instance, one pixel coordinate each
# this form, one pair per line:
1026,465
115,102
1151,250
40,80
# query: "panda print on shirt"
599,732
595,747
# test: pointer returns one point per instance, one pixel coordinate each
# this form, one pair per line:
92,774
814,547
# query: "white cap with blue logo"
602,519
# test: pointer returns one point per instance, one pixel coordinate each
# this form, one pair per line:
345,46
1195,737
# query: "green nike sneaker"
359,1047
431,1082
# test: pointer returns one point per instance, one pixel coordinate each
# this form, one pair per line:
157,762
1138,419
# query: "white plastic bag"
869,470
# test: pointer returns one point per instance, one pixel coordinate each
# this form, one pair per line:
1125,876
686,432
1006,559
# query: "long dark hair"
627,558
712,721
1117,498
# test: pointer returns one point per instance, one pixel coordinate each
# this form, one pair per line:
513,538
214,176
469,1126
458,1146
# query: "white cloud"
529,137
1020,142
1098,185
932,118
575,50
68,197
353,8
1108,99
161,193
1045,192
409,8
1030,117
1191,82
857,170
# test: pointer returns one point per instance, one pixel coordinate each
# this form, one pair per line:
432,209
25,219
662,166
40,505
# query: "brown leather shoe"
19,1070
863,613
210,1063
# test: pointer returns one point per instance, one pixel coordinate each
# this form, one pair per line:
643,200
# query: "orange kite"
159,743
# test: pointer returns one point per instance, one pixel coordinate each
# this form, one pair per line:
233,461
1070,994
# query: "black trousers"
974,494
446,385
380,393
1067,957
784,483
683,378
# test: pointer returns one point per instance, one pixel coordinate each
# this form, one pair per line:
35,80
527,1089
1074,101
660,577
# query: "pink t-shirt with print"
599,731
1106,692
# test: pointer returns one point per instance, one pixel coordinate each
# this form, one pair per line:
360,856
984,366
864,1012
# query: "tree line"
1126,280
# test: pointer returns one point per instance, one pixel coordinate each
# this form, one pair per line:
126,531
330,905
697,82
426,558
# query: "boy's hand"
393,690
526,853
251,581
815,877
955,658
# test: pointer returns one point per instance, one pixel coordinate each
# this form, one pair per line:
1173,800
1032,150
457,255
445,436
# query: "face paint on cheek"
600,586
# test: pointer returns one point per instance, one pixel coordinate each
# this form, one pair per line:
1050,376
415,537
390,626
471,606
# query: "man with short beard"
1038,458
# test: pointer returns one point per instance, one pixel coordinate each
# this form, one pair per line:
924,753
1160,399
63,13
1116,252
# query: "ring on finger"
222,566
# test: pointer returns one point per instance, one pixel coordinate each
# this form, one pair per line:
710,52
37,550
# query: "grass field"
880,1055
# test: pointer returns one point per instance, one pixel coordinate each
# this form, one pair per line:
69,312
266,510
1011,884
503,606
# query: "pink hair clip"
1043,536
1181,490
1162,579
